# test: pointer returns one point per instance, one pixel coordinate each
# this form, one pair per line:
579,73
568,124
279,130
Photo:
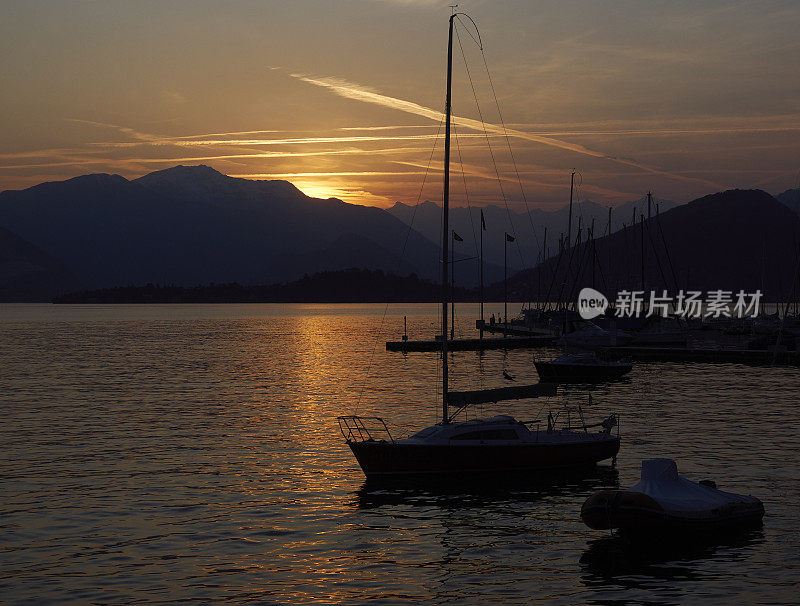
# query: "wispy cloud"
427,126
533,177
77,160
349,90
142,138
363,173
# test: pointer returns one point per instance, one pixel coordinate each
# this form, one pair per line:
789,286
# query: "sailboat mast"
569,220
481,272
445,218
610,264
453,287
641,225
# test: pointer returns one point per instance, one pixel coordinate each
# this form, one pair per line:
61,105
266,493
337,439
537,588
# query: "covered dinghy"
664,501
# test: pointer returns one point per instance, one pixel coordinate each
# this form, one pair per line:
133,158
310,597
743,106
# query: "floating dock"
473,344
511,329
713,356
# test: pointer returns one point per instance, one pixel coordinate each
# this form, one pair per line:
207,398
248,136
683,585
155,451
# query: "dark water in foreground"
172,453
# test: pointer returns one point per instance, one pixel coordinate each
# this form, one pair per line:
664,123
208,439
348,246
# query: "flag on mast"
456,237
509,237
483,221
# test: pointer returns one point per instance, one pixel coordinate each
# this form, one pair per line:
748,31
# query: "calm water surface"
165,453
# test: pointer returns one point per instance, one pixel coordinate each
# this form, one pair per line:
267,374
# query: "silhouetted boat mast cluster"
661,502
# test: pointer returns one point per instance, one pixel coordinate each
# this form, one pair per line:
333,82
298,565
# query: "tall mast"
608,242
542,259
569,221
641,225
453,287
593,250
445,218
505,284
481,272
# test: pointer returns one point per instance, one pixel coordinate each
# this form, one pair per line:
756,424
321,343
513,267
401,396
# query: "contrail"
346,89
142,138
476,171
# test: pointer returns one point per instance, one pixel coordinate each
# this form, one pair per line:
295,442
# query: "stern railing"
361,429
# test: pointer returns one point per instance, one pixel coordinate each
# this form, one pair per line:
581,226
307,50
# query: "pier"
473,344
512,329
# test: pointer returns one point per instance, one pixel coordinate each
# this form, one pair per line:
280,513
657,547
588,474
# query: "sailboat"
496,444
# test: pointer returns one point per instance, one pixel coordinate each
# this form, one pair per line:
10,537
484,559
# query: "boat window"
425,432
488,434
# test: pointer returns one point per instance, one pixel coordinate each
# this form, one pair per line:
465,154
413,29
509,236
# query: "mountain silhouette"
191,224
732,240
348,250
791,198
29,274
528,228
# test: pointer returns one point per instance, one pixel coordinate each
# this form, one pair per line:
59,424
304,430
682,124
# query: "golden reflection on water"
197,455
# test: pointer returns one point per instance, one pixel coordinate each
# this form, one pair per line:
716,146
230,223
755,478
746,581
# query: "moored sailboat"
584,367
496,444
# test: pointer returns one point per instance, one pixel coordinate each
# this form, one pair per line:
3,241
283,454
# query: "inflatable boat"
665,502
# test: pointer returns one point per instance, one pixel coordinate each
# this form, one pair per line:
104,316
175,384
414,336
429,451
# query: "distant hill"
347,251
528,227
737,239
29,274
343,286
191,224
791,198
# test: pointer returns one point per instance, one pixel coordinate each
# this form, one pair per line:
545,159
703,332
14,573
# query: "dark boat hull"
387,458
564,373
635,513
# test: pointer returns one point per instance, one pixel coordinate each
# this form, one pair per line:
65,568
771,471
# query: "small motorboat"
588,335
580,368
665,502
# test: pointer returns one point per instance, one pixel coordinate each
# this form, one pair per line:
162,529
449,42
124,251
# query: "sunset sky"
344,97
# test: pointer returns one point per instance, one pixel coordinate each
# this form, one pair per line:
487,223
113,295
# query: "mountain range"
190,225
790,198
732,240
27,273
527,227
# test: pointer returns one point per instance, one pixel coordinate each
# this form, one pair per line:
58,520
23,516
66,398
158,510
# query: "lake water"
191,452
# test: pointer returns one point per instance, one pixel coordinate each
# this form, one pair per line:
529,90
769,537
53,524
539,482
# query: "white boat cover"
677,495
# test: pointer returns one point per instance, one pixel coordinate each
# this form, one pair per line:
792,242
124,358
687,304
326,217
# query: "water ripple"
164,453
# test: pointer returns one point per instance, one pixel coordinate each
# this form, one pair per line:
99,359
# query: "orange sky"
344,98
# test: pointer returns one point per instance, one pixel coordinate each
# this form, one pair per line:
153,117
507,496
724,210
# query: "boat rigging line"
507,138
486,135
379,336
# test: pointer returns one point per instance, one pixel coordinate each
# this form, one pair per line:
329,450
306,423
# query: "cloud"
350,90
363,173
76,160
383,127
143,138
171,97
